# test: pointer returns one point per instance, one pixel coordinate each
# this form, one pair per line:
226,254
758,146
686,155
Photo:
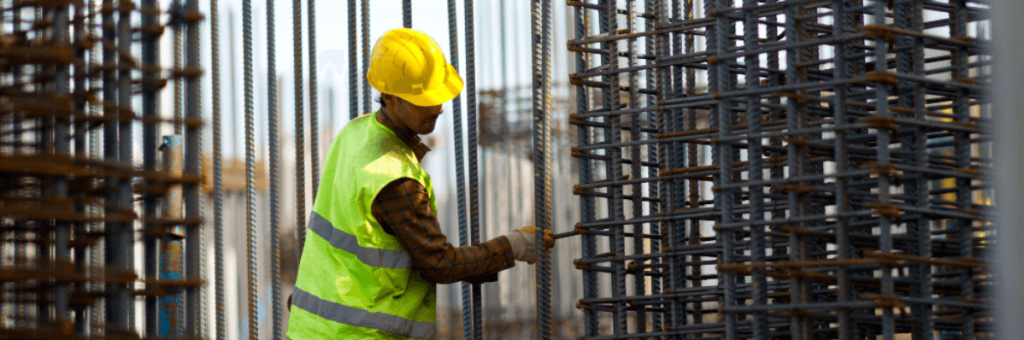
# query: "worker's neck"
386,118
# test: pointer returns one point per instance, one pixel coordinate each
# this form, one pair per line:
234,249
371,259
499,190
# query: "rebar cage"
78,78
767,169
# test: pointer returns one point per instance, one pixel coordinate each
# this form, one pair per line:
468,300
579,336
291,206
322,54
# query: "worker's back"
355,281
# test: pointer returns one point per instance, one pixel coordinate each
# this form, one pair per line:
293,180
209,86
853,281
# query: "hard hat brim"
438,95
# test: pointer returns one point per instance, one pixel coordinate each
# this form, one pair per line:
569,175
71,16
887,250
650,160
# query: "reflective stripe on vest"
360,318
396,259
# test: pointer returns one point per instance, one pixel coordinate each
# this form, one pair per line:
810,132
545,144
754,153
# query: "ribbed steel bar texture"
300,137
474,183
314,102
218,178
460,169
653,121
544,263
639,280
407,13
540,29
275,163
353,71
250,174
592,322
176,54
807,169
364,22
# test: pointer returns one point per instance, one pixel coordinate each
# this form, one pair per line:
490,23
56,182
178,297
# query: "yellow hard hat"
407,63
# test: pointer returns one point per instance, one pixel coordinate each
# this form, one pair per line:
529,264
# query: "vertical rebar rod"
407,13
314,102
792,157
116,303
474,185
200,252
608,16
675,157
460,168
176,54
273,130
300,137
365,45
882,150
652,15
718,41
842,164
962,155
193,167
544,262
353,75
752,79
250,170
150,108
693,187
919,145
218,179
591,318
112,305
774,113
126,143
636,190
540,34
905,17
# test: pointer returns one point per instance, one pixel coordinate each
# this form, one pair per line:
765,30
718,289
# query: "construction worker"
374,250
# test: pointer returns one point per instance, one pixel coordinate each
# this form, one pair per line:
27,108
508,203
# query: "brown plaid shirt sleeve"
403,209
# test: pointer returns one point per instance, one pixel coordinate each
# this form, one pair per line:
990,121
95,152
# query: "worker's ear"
389,100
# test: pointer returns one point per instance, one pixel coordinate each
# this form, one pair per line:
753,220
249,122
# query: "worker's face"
419,119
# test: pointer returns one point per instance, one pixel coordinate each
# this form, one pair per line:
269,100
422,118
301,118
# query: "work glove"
524,244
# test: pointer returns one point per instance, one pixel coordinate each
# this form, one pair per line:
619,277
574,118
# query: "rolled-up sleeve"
403,209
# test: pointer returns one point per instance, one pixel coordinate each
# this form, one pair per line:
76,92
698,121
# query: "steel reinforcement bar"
768,168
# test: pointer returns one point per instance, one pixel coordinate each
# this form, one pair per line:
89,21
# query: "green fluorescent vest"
355,281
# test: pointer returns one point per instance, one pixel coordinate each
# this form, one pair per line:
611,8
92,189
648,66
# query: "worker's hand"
524,244
549,241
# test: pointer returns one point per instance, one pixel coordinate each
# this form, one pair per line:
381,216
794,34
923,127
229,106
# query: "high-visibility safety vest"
356,281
